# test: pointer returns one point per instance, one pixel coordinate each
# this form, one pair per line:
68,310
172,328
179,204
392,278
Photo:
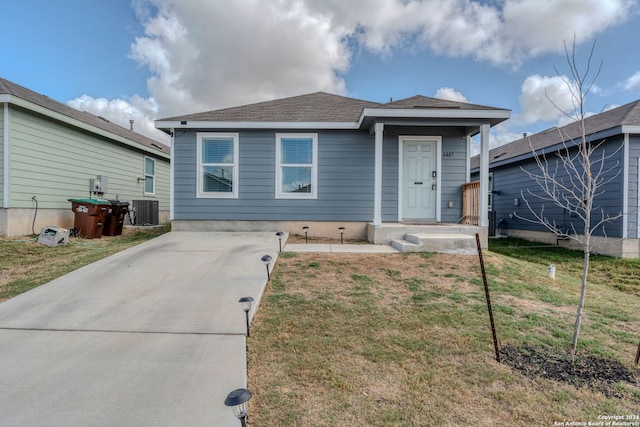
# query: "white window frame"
200,136
149,176
314,166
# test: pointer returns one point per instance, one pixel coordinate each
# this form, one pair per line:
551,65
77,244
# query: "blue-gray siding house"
616,132
324,161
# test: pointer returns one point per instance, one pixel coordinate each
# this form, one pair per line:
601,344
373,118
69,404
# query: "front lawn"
404,339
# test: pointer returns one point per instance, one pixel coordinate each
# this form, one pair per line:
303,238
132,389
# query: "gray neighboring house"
324,161
50,151
619,130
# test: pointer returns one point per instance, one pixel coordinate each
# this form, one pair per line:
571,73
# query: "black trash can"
114,220
89,216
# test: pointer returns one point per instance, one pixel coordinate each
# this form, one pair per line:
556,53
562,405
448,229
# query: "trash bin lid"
90,201
118,203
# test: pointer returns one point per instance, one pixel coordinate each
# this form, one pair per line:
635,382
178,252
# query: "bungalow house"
49,152
618,133
325,161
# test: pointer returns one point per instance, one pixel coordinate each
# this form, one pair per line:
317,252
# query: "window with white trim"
149,176
296,166
217,165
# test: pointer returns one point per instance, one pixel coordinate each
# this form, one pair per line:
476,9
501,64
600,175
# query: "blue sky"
148,59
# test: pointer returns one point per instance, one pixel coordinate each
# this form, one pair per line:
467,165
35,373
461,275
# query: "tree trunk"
583,294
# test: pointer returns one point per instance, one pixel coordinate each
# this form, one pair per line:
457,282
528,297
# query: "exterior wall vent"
146,212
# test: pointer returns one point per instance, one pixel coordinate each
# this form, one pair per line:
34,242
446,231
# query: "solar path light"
341,234
267,260
246,306
279,235
238,401
306,231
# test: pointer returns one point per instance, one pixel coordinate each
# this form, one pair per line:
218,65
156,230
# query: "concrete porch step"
448,243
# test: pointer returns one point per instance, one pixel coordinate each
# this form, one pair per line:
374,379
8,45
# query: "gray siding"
512,183
634,183
345,181
345,178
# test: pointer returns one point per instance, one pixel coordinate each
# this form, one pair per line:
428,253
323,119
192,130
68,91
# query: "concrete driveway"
151,336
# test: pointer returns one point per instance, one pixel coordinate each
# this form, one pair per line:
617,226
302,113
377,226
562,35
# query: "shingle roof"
626,115
420,101
314,107
317,107
13,89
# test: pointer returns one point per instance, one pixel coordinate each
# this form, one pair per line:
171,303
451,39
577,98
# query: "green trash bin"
89,216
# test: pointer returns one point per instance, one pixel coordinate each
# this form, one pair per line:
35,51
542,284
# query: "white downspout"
377,182
625,186
5,157
171,177
484,175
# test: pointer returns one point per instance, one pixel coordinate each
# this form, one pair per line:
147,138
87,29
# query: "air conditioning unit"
146,212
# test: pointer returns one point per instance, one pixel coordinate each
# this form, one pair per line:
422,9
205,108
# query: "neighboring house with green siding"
49,152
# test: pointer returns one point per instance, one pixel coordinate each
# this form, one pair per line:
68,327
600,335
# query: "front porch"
441,238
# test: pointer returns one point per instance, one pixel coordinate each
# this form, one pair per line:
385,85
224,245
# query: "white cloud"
120,112
218,53
545,98
632,82
450,94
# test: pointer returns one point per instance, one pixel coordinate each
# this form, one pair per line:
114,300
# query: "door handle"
433,187
417,183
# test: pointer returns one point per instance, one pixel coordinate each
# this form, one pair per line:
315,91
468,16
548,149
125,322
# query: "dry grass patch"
403,339
26,264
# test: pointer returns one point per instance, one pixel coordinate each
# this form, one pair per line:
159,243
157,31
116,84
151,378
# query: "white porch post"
484,176
377,182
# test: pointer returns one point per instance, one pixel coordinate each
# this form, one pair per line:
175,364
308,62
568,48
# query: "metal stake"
486,291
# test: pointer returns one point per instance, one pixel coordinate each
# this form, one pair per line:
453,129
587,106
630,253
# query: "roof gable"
13,89
625,115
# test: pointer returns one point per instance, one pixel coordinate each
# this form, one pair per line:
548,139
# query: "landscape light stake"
306,230
246,306
486,291
238,400
279,234
341,233
267,260
638,354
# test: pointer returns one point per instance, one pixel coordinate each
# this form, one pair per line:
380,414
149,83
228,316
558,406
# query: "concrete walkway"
338,248
151,336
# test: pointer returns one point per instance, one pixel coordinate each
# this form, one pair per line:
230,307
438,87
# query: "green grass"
25,264
387,340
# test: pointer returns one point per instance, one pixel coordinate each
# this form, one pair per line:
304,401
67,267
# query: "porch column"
484,176
377,181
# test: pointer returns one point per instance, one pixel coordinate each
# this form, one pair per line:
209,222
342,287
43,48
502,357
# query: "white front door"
419,179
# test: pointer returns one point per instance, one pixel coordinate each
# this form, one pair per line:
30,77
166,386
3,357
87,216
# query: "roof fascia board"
560,145
192,124
475,124
435,113
630,129
81,125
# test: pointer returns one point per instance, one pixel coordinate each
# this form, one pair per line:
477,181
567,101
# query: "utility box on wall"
99,184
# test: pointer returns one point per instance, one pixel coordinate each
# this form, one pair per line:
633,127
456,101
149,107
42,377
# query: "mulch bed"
597,373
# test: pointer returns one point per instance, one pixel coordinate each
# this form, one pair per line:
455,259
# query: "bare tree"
575,176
